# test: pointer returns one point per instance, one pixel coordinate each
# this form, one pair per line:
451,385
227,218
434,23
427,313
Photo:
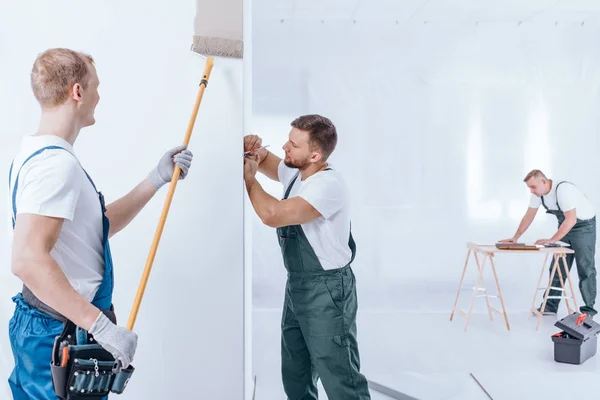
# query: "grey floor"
426,356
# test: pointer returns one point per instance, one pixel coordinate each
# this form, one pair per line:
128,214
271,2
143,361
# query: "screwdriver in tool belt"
64,349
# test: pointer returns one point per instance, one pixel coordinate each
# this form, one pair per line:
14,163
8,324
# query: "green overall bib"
582,239
318,326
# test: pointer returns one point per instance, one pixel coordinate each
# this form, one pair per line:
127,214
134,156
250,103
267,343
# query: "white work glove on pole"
163,172
119,341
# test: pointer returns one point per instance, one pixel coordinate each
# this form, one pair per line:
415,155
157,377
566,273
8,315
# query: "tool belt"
81,368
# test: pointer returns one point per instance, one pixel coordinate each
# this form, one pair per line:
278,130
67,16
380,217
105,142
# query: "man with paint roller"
319,337
61,226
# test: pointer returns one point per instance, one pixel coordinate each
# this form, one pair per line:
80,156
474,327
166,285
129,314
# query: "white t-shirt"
54,184
569,197
327,193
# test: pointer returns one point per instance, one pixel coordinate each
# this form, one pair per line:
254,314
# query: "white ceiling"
430,10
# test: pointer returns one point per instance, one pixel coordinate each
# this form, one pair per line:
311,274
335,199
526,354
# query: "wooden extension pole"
140,293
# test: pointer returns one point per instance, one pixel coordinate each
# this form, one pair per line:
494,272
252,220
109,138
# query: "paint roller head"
218,47
218,28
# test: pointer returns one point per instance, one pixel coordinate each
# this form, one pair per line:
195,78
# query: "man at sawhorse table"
576,226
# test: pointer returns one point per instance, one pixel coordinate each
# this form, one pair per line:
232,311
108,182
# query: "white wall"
249,385
438,124
190,322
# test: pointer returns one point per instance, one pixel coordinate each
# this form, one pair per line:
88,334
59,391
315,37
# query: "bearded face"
298,151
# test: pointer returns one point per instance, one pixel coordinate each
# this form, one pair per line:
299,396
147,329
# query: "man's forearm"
523,226
48,283
122,211
563,229
264,204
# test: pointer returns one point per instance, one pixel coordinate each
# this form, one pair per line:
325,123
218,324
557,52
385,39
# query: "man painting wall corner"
576,226
319,335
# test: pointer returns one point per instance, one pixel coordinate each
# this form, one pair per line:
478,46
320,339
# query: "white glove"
119,341
163,172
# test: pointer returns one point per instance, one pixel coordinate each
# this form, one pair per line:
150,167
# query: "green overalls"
318,326
582,239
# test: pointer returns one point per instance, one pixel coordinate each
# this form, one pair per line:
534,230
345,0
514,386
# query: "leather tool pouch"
89,371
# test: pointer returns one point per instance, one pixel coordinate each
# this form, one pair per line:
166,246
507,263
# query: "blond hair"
536,173
54,73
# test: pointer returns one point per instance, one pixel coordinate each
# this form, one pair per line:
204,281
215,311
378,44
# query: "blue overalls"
582,239
32,332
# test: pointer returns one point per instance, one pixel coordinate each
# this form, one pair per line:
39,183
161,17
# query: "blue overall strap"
103,297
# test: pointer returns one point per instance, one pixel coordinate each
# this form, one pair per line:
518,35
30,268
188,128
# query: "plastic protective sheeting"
438,124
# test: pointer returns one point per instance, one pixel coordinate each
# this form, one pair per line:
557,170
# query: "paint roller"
218,34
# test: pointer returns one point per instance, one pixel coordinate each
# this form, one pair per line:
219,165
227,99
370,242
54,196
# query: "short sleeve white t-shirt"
329,234
569,197
54,184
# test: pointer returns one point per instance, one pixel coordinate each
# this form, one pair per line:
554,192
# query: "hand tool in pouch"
82,369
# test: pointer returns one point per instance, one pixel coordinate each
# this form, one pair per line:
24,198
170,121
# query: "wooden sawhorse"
480,290
557,257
